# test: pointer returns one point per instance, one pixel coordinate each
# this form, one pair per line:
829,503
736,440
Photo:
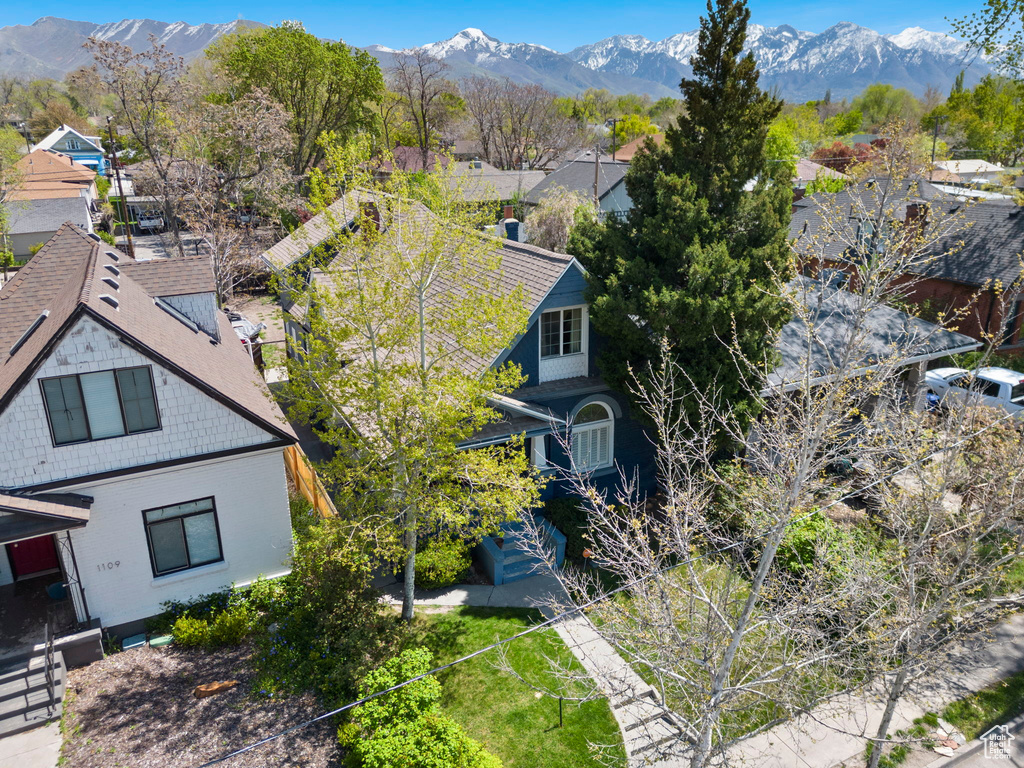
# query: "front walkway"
38,748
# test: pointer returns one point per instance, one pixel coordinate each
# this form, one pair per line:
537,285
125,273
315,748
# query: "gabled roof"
309,236
172,277
59,133
808,170
969,167
577,175
65,280
44,167
489,183
45,216
829,311
626,152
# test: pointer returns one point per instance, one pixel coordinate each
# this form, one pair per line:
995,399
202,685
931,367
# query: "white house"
140,452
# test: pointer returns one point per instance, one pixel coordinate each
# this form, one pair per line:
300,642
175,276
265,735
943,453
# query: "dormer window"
563,343
95,406
72,144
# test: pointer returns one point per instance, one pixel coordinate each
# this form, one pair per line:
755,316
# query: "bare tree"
554,217
421,81
743,601
232,164
148,92
519,125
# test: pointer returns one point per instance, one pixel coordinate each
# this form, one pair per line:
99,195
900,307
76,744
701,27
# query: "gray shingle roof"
172,277
829,310
46,216
578,175
490,183
992,235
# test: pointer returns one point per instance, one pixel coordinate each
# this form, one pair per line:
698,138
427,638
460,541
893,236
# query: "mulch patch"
136,709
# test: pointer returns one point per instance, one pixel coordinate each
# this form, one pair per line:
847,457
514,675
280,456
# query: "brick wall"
251,497
191,422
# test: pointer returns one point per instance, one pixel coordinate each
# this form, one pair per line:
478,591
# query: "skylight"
30,330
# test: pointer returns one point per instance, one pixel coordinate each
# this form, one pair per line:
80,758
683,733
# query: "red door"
32,556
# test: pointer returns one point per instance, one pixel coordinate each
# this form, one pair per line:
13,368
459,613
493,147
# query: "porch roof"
24,517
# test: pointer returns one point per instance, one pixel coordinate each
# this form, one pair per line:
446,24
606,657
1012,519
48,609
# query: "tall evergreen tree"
697,258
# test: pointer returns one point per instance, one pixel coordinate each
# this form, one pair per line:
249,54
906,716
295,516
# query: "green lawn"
499,710
976,713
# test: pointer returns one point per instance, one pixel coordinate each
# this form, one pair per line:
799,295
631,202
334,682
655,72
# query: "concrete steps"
25,701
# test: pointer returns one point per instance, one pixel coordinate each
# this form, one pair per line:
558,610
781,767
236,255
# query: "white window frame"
583,332
591,430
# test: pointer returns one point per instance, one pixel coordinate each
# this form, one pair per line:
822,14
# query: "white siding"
192,422
251,497
200,308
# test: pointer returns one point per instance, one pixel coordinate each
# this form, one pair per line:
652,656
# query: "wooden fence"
302,474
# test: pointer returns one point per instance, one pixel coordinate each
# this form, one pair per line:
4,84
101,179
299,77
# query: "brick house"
973,279
141,452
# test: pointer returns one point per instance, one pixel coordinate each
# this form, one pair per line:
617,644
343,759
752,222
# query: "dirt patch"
136,709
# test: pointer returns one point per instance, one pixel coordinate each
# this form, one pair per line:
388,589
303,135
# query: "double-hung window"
94,406
592,438
561,332
183,536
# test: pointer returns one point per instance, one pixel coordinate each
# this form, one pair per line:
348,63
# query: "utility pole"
120,190
24,132
935,138
597,170
615,121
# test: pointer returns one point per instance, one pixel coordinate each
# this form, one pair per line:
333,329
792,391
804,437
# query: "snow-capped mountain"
52,47
802,65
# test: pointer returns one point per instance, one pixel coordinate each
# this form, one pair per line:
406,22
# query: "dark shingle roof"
829,311
66,279
172,277
991,234
578,176
45,216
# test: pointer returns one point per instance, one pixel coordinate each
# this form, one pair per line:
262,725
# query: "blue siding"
568,292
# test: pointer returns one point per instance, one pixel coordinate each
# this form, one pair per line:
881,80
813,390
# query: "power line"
604,596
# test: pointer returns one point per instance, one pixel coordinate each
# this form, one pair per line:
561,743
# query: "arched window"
593,437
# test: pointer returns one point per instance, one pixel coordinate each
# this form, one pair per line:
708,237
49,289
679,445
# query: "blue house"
563,400
85,150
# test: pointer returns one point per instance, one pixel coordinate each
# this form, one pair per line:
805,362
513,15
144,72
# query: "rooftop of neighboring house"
481,181
808,170
46,174
93,142
626,151
985,245
968,168
76,275
47,215
829,310
410,159
577,175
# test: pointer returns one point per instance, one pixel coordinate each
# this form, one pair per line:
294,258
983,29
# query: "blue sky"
561,25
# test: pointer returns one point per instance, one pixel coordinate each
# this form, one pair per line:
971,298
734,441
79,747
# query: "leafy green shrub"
107,238
817,537
407,727
569,516
329,627
228,628
731,505
302,513
35,248
441,563
190,632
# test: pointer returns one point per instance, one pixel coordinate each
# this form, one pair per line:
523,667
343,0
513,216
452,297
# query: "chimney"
509,212
371,213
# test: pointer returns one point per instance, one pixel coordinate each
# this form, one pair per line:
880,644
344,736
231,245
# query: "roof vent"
111,300
30,330
181,318
95,237
113,255
112,283
112,268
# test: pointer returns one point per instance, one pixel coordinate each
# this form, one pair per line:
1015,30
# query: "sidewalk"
837,732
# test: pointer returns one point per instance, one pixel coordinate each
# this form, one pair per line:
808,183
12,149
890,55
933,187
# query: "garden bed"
136,709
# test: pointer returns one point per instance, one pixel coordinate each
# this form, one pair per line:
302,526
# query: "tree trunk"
878,744
410,566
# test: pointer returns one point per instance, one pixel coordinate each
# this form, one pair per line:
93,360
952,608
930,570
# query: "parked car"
995,387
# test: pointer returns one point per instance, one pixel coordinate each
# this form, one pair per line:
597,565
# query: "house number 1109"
108,566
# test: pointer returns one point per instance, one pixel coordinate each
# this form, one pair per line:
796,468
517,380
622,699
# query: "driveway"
161,245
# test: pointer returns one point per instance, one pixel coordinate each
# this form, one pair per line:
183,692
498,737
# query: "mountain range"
801,65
